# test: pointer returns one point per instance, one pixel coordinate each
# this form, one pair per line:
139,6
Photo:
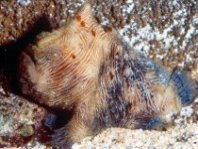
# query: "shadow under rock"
9,55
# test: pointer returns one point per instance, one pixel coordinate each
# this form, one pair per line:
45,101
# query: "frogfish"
89,69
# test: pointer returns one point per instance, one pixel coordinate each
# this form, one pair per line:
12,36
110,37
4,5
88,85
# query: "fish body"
89,69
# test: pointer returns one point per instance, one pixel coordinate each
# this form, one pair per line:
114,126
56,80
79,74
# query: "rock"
164,30
19,119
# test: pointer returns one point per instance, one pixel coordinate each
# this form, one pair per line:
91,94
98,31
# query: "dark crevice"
9,53
9,79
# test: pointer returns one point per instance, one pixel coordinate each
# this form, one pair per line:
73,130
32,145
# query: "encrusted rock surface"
166,31
179,137
20,120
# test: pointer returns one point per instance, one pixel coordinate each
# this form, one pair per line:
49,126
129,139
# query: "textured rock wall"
165,30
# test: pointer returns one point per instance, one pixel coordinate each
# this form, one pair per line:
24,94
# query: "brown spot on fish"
93,33
73,56
82,23
107,29
78,18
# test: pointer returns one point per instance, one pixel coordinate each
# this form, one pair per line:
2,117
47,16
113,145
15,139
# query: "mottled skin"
89,69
